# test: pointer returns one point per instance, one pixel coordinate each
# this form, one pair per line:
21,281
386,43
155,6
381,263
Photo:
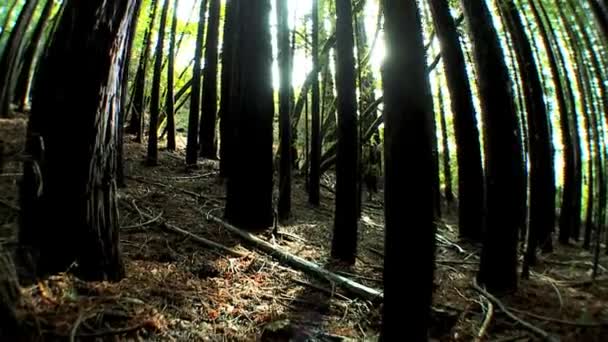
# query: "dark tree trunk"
408,201
89,233
285,71
170,100
570,186
468,149
504,166
542,175
209,101
344,243
600,14
152,158
249,187
195,93
22,89
447,168
228,51
11,57
315,153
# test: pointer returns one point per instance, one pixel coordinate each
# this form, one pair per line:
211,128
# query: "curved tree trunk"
89,234
249,187
408,201
344,243
209,100
504,165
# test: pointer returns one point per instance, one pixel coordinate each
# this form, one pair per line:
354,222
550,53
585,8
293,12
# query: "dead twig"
536,330
486,322
320,288
561,321
167,186
150,221
203,175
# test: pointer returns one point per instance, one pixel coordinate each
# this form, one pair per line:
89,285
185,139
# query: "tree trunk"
89,233
7,18
11,57
344,243
228,51
209,101
468,149
408,201
315,153
152,158
139,91
249,187
170,100
542,175
447,168
285,72
195,94
22,89
504,166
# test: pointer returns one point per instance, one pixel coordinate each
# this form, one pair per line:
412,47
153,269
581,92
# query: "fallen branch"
320,288
167,186
486,322
199,239
150,221
536,330
302,264
561,321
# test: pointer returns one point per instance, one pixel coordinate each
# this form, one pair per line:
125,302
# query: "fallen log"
301,264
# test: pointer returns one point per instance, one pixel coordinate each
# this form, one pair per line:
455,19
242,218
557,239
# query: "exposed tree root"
486,322
536,330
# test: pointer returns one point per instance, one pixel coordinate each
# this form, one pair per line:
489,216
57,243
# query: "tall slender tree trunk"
285,74
249,187
139,91
207,138
315,153
505,172
344,243
22,89
170,99
468,149
152,158
542,175
408,201
89,233
228,51
447,168
11,57
195,94
7,18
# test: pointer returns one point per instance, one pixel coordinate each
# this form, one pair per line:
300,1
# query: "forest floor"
179,290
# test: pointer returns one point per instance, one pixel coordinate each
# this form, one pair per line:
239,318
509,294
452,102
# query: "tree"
249,187
89,234
315,146
11,55
285,75
170,100
195,94
209,101
503,152
228,51
22,89
468,149
344,243
152,158
409,204
542,175
447,168
136,122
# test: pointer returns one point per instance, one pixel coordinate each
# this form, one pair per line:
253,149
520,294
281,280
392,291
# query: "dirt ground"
179,290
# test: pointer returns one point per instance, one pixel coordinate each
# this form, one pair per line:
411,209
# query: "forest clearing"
303,170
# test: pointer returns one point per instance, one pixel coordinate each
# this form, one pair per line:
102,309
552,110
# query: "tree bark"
228,51
315,153
249,187
285,75
195,93
408,201
170,100
504,166
89,34
447,165
468,149
209,100
344,243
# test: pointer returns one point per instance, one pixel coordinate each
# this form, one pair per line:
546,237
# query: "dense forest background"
304,170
